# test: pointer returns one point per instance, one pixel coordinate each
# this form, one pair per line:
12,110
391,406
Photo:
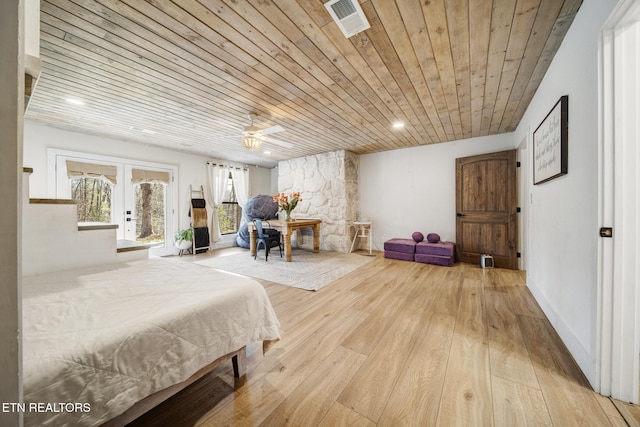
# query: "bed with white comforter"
110,336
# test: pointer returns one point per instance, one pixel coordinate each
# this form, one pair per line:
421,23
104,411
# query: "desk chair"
267,237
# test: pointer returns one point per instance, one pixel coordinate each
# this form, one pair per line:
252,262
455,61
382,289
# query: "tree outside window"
229,212
150,207
93,198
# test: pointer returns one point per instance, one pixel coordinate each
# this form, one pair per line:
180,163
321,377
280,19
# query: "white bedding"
110,336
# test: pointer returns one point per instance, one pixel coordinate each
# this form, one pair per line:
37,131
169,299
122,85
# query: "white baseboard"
583,357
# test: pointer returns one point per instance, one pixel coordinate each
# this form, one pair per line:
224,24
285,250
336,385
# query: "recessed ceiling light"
398,125
74,101
267,152
142,130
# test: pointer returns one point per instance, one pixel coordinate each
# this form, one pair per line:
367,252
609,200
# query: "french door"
145,205
139,198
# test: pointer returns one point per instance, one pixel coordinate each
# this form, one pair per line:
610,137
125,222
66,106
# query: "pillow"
433,238
417,237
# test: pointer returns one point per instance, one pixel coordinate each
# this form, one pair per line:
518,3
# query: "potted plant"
184,239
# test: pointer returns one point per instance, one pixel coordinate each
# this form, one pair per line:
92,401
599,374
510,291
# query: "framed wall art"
550,143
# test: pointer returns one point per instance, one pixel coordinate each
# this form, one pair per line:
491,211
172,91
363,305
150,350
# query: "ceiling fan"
253,137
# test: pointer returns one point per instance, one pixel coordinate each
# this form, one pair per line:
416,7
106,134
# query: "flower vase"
287,215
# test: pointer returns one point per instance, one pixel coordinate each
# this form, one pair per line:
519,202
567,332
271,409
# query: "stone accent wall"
328,184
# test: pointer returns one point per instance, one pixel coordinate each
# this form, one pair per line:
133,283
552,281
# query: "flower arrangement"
288,203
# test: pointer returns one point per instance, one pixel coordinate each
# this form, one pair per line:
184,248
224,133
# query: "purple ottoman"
403,249
441,253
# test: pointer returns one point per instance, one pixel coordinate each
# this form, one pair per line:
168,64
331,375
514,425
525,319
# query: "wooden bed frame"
238,359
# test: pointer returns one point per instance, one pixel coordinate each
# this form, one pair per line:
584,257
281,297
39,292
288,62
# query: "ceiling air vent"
348,15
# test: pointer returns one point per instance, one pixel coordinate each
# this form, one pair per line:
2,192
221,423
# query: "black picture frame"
551,144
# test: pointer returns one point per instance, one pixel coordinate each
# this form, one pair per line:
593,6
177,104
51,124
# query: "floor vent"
348,15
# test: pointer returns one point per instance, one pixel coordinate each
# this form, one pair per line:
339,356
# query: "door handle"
459,214
606,232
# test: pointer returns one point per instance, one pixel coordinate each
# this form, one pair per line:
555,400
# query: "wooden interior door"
486,208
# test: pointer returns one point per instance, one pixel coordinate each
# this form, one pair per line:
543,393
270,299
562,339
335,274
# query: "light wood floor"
397,343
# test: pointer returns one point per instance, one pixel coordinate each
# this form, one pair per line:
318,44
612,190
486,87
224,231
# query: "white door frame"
524,201
618,320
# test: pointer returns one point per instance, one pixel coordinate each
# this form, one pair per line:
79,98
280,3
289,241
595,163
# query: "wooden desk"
286,228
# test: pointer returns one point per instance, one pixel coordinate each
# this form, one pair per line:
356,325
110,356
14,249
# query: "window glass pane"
150,207
230,195
93,197
229,212
229,215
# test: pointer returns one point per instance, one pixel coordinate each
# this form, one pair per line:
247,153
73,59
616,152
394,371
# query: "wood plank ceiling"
191,71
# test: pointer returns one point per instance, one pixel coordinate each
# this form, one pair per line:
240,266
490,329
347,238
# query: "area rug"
307,270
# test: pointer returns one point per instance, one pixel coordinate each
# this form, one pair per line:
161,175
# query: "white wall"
192,170
414,189
563,225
